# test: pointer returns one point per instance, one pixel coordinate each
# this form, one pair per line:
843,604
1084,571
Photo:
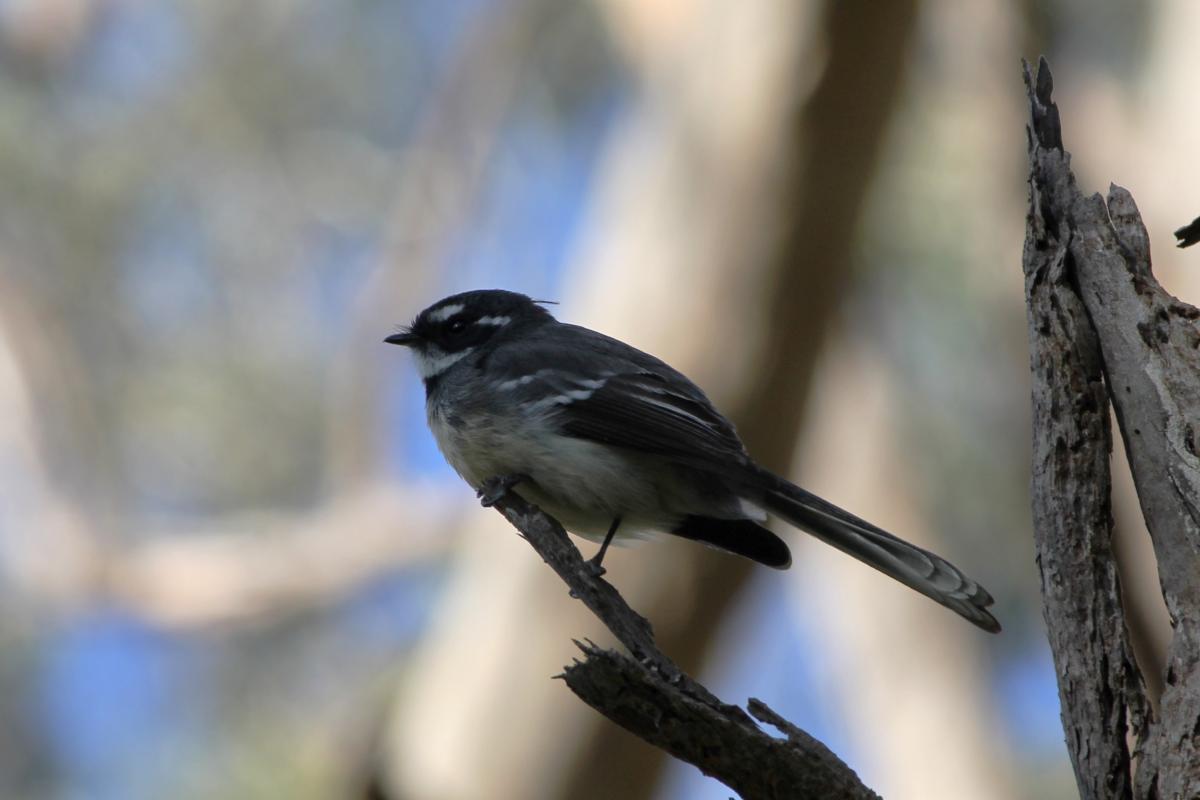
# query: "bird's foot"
494,488
594,567
593,564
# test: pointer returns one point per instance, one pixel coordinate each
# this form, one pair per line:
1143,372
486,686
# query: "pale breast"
582,484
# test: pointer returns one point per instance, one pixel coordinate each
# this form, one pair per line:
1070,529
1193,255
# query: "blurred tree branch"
445,167
1098,320
651,697
239,568
257,568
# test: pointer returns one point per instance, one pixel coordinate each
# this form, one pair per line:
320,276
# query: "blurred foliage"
195,197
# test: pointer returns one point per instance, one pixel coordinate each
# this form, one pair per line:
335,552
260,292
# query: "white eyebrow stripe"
497,321
445,312
434,362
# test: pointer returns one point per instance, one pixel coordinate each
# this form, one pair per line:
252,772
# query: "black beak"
404,338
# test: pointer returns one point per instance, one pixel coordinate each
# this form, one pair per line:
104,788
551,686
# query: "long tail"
929,574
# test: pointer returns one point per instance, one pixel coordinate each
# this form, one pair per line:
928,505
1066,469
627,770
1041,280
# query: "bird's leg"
594,563
495,487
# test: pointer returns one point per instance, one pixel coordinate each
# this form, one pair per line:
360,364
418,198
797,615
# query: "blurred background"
232,562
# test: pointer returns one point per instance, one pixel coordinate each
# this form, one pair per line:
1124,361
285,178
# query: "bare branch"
718,739
651,697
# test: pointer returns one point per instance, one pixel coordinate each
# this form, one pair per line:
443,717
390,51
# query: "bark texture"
1102,328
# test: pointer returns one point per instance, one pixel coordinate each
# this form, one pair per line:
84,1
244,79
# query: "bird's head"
458,326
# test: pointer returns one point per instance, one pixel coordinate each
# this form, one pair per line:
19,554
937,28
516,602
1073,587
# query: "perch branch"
652,698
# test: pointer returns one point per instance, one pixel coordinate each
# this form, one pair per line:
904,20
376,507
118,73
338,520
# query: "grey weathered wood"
1099,684
651,697
1151,347
1092,295
738,753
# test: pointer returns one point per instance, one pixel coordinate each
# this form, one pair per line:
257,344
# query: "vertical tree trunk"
1102,330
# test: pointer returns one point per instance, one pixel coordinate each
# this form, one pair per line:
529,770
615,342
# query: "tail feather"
740,536
919,569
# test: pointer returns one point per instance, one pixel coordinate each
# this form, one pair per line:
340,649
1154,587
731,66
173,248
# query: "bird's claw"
495,488
595,568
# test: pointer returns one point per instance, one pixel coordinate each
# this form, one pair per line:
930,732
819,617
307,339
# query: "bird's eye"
457,326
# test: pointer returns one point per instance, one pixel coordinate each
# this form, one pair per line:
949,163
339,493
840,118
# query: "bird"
608,439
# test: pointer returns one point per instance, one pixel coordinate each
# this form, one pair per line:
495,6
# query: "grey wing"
643,411
603,390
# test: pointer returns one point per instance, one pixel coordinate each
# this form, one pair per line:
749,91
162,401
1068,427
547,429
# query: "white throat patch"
433,361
